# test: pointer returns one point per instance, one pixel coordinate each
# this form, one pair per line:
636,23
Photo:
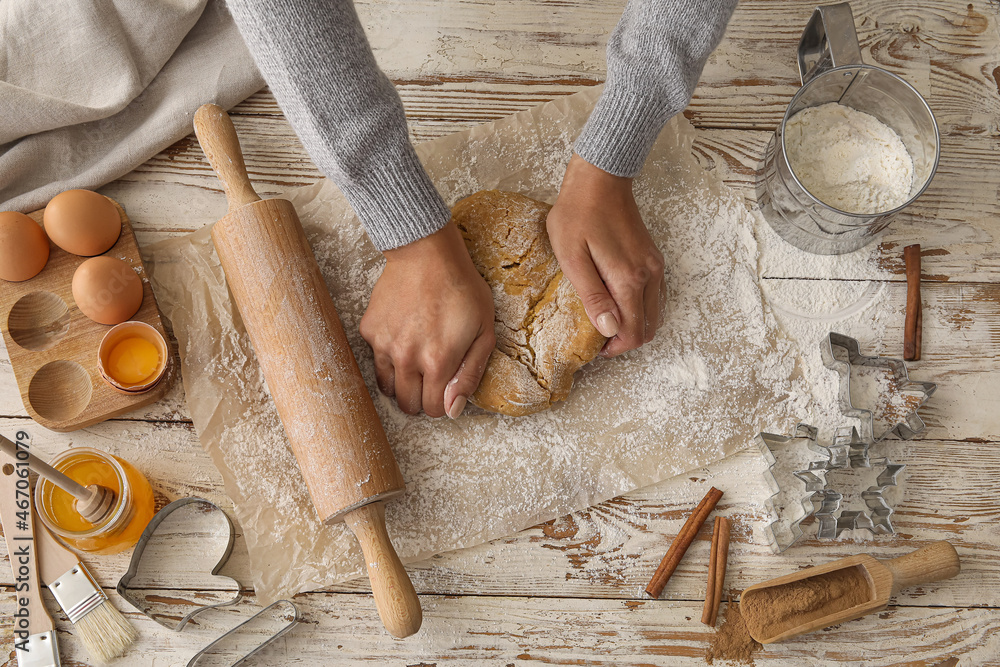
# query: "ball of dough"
543,333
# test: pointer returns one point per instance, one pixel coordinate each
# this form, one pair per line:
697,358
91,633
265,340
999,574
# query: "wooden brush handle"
934,562
397,601
54,560
19,534
218,139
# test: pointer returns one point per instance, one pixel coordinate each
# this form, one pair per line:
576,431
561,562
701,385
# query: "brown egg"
24,248
82,222
107,290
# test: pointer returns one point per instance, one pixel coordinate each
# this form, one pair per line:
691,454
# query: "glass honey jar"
131,512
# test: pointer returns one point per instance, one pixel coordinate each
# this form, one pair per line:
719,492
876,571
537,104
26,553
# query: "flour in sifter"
848,159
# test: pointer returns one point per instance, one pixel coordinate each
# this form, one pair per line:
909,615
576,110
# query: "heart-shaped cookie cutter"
222,531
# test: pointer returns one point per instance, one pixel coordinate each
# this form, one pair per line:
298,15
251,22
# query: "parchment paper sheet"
717,374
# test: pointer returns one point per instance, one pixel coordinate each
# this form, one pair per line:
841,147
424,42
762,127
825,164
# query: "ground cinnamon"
732,642
768,612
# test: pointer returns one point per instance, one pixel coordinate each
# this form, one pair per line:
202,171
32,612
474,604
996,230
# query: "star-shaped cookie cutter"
840,353
820,499
850,452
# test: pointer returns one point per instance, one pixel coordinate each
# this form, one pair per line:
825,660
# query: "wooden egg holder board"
53,346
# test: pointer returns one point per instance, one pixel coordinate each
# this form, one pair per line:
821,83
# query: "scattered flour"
848,159
848,294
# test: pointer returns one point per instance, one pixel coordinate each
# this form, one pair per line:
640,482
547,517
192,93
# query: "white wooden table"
570,591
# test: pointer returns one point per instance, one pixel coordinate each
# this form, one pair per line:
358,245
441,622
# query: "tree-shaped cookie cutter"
783,532
820,498
840,353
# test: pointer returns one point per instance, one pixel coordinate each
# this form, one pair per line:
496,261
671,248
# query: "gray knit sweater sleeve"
317,61
655,57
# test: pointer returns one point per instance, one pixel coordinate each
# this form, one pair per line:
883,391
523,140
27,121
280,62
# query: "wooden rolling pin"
846,589
312,374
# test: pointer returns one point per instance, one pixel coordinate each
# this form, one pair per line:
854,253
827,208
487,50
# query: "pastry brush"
103,630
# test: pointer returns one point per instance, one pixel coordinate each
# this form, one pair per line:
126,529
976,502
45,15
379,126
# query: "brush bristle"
106,633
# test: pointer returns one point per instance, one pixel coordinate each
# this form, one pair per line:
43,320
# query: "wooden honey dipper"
93,502
314,379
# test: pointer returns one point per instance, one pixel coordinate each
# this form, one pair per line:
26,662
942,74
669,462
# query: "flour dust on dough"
543,333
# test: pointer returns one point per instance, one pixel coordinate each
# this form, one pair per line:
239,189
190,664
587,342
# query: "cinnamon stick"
716,571
681,543
914,319
713,566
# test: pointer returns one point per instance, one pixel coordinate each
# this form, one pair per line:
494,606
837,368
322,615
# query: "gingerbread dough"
543,333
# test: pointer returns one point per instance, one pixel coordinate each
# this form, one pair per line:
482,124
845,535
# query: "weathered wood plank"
948,50
958,217
611,550
956,221
343,629
961,353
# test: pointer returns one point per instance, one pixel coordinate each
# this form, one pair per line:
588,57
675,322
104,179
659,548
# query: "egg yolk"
133,360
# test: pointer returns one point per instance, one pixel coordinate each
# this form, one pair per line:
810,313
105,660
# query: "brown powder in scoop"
732,641
771,611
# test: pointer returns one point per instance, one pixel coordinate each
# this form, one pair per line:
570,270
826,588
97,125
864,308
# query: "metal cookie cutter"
819,496
176,563
841,353
850,453
786,529
227,649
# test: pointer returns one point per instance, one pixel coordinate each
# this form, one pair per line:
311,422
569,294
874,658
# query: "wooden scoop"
314,379
843,590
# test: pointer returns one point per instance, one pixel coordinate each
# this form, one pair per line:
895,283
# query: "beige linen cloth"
90,89
718,372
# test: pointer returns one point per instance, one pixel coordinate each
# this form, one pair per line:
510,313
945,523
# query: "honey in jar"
128,517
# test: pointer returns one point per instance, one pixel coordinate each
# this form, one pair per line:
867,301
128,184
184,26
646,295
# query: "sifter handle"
935,562
218,139
829,40
396,600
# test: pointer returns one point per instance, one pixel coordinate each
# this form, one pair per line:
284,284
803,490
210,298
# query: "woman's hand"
430,324
608,255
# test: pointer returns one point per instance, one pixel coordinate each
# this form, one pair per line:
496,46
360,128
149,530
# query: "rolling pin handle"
218,139
396,600
935,562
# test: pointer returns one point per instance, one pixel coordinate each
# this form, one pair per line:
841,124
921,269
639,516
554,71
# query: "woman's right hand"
430,324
